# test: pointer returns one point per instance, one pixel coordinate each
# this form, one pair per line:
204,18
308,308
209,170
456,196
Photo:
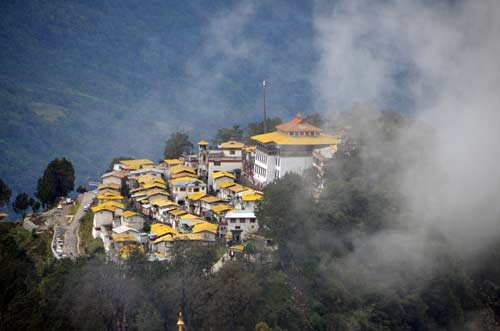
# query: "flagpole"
264,95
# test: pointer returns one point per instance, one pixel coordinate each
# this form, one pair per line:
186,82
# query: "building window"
216,163
243,220
232,152
182,189
232,221
237,227
196,189
252,220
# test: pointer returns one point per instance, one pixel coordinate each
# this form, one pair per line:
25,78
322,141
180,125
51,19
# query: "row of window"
183,189
242,220
302,133
259,170
261,157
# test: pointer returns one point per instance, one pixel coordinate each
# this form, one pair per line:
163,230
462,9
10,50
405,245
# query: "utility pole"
264,95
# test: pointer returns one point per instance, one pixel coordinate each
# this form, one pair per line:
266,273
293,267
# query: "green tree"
226,134
177,144
314,119
256,128
5,193
21,204
81,189
58,180
36,206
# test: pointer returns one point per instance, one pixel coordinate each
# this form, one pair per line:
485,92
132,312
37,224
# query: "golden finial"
180,322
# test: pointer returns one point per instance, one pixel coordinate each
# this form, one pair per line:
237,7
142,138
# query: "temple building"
289,149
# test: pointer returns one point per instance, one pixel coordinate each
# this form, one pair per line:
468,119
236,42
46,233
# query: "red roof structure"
297,124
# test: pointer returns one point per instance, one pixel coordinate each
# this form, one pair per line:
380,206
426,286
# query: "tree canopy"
58,180
5,193
177,144
21,203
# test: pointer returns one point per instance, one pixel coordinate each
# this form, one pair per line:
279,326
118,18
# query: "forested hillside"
354,258
90,80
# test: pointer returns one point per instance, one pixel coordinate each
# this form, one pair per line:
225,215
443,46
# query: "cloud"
440,61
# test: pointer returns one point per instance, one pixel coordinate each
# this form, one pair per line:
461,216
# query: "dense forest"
351,258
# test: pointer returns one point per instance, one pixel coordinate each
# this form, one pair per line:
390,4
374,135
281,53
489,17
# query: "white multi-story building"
240,223
289,149
227,158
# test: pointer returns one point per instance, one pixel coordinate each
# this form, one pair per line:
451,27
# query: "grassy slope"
88,245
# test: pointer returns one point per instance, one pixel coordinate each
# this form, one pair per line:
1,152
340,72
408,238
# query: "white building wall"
136,222
227,153
294,164
103,217
244,224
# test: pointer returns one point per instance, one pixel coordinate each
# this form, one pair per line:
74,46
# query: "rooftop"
232,144
297,124
280,138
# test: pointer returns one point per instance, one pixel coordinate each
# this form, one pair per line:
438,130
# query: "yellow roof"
109,196
156,191
136,164
151,166
237,188
167,237
205,226
128,213
188,216
113,186
114,204
177,212
109,191
184,179
239,247
108,205
232,144
180,168
228,236
249,149
123,237
155,184
221,208
172,162
161,202
149,178
202,142
251,197
127,250
161,229
184,174
280,138
226,184
220,174
135,190
194,221
211,199
196,196
190,236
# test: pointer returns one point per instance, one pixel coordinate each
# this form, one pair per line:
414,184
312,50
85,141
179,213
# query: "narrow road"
71,227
